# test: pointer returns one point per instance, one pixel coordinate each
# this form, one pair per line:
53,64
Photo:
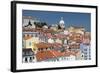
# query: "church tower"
61,23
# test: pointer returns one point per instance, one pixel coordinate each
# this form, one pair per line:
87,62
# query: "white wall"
5,36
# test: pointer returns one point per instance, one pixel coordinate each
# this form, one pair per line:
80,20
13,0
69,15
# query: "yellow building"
80,30
30,43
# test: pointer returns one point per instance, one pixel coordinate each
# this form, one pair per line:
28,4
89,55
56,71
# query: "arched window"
33,57
30,59
25,59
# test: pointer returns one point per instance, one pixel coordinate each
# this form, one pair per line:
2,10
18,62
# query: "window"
85,56
31,53
57,59
35,35
85,53
23,44
46,48
82,56
23,53
38,49
85,49
31,35
25,59
89,55
27,35
33,58
89,58
29,43
23,35
30,59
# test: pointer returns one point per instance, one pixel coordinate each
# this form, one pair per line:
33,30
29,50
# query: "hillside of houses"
42,42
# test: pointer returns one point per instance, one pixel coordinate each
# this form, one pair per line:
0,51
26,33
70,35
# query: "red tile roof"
60,36
29,30
57,45
43,45
27,37
44,55
49,35
47,55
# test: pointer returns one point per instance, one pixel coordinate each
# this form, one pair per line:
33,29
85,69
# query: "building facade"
86,50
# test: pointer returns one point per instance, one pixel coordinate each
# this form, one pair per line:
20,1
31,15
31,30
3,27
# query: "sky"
70,18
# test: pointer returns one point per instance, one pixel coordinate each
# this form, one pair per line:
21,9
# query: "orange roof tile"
47,55
29,30
44,55
43,45
27,37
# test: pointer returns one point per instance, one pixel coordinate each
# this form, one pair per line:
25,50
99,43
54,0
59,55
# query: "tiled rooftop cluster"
50,43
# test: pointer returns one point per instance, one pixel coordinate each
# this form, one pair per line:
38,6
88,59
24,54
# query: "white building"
50,40
28,56
61,23
86,50
66,32
27,19
54,27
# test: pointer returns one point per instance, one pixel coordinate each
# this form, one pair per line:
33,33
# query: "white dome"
45,26
61,21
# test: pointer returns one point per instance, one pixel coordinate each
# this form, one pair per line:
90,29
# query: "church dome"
45,26
61,21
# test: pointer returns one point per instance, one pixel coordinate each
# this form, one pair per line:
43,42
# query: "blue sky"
70,18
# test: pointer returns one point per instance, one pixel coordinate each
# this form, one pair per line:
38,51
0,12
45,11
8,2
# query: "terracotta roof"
27,37
43,45
54,54
69,53
47,55
57,45
48,31
49,35
47,45
29,29
60,36
44,55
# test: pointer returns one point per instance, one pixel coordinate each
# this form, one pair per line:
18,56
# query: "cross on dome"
61,18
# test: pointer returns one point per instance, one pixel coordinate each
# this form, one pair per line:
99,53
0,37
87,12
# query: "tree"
59,27
40,24
29,24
